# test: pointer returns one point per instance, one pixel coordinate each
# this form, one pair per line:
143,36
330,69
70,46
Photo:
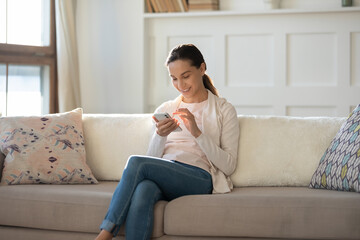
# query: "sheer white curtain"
67,56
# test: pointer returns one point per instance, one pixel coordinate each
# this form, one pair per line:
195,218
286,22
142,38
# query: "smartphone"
162,116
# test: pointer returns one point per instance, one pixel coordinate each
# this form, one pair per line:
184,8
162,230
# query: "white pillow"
111,138
281,151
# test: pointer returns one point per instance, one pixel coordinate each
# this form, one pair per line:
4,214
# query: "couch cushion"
281,151
78,208
111,138
273,151
273,212
339,167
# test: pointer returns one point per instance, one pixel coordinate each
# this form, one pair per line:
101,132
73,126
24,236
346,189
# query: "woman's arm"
224,156
156,146
161,130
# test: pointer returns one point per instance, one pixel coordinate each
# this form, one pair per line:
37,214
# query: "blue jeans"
145,181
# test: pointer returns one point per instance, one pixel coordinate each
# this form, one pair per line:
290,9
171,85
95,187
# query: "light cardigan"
220,136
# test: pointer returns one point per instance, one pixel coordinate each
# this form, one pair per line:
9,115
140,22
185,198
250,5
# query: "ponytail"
208,83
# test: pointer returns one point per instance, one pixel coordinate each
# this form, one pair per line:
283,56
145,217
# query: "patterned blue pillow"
339,166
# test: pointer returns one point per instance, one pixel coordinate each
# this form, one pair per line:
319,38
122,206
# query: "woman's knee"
146,192
134,161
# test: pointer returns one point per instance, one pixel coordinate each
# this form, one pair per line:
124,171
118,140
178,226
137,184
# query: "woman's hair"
191,53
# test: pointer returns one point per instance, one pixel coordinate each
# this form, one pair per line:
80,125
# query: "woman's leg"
173,179
140,218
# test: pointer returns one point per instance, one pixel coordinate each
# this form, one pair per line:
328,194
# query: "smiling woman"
192,161
27,57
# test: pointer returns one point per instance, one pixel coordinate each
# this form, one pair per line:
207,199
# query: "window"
27,57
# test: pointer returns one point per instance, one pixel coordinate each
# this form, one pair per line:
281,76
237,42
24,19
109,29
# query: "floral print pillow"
44,149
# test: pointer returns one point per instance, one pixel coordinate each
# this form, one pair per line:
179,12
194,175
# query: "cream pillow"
281,151
44,149
110,139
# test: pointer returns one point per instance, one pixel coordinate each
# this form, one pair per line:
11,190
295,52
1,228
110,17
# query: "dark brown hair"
191,53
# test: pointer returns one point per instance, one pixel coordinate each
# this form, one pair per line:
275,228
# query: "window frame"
36,55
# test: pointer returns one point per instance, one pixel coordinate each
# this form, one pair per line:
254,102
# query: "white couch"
277,158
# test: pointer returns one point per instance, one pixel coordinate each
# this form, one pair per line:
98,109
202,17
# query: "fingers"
184,113
166,126
189,121
155,119
166,123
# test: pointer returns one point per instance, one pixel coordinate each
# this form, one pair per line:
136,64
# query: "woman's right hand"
166,126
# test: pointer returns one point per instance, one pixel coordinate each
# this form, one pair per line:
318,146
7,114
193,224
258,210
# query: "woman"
177,162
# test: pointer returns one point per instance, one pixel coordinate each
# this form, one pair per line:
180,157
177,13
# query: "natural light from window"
2,21
25,22
24,88
2,90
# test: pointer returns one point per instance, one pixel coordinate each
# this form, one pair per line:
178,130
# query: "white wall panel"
311,59
285,4
150,74
254,110
110,56
245,56
355,59
268,63
310,111
122,53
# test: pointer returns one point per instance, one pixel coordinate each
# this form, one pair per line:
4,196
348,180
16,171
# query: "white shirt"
219,140
182,146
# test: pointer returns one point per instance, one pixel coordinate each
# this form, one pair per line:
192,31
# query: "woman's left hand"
189,121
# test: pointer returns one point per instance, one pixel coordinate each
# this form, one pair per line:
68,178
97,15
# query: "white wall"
266,62
109,34
119,75
252,5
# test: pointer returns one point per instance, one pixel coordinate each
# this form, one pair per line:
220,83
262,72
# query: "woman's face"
187,80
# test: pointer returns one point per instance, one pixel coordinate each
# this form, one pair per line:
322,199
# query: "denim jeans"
145,181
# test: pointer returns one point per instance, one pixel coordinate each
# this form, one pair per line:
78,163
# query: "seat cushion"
77,208
273,212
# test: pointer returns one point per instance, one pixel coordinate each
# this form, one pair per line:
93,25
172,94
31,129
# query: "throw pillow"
340,165
44,149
